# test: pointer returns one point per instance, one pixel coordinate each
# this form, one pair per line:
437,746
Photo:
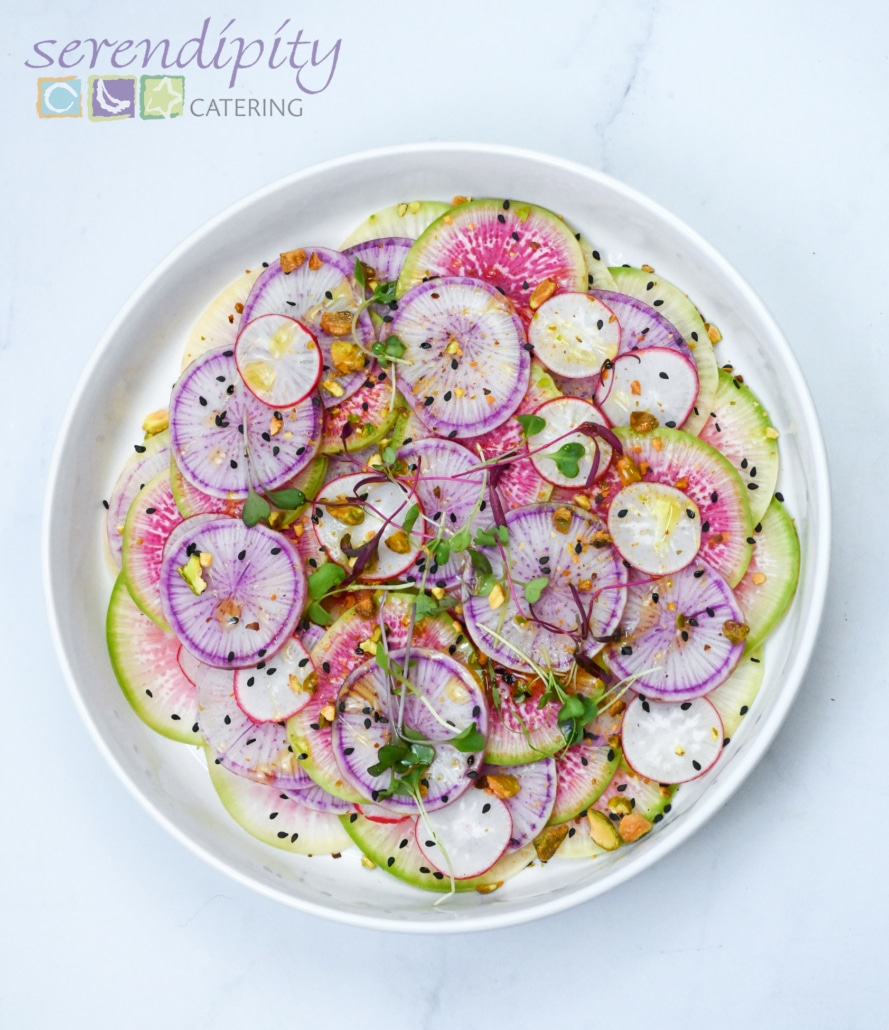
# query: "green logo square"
161,96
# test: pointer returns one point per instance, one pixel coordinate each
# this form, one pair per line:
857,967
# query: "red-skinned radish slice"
563,416
278,359
466,838
671,742
279,687
661,382
655,527
532,805
573,334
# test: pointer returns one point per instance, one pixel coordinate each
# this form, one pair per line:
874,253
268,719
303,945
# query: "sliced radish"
278,359
661,382
521,731
655,527
276,688
466,838
563,416
532,804
584,772
382,260
641,324
574,333
671,742
150,458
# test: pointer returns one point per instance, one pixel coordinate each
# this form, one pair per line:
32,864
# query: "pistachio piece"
501,785
191,573
292,259
541,293
735,632
549,840
348,514
632,827
643,421
602,831
345,355
627,469
398,542
562,520
156,422
337,323
489,888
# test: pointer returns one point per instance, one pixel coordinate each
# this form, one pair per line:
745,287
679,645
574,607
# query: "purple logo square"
112,97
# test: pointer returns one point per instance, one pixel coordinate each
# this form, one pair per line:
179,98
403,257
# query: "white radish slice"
656,380
573,334
279,360
379,504
278,687
562,416
671,742
532,806
655,527
468,836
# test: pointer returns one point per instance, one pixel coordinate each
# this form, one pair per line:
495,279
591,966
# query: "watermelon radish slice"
369,412
465,368
628,792
278,359
277,817
521,731
532,806
583,771
573,334
254,594
655,380
152,517
223,439
145,662
150,458
734,698
562,417
278,687
220,321
406,219
321,292
467,837
513,246
770,581
671,742
655,527
739,427
674,638
354,510
444,699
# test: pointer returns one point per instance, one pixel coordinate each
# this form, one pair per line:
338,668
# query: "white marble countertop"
763,125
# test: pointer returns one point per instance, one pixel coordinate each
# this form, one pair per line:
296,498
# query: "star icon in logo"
162,96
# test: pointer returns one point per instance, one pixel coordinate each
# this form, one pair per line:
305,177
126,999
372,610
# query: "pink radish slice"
655,527
277,687
214,420
662,382
321,286
254,595
520,731
642,325
674,635
532,806
563,416
278,359
367,712
467,837
573,334
381,505
671,742
465,368
150,457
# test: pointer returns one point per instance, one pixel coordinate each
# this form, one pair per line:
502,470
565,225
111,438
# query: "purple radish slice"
152,517
369,413
278,687
563,416
318,800
442,690
676,458
145,662
678,638
150,458
467,837
578,557
508,244
661,382
532,806
278,359
223,438
671,742
353,510
628,792
573,334
253,594
642,325
465,368
320,291
382,260
655,527
258,751
584,772
521,731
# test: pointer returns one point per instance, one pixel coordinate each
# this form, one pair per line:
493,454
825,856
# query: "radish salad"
454,544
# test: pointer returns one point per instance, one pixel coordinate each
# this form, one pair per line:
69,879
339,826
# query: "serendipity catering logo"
85,75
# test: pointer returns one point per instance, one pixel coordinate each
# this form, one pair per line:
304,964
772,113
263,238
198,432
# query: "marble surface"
763,126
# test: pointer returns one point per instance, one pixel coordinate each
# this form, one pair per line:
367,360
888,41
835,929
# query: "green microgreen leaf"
384,293
324,579
411,516
460,540
255,508
469,739
480,561
567,458
381,657
442,552
531,424
485,583
535,588
387,757
389,455
358,272
485,538
318,615
393,348
287,500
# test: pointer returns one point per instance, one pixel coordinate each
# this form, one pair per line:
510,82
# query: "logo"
162,96
111,98
59,98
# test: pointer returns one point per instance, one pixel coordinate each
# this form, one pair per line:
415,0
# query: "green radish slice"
278,359
152,517
520,731
393,848
598,275
629,793
563,416
508,244
220,321
740,428
734,698
371,413
655,527
150,458
573,334
770,582
407,219
579,843
467,837
145,662
584,772
675,306
671,742
277,817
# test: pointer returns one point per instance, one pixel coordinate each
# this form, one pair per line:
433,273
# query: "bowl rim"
743,763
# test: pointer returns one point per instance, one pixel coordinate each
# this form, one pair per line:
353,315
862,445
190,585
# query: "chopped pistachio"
191,573
541,293
333,388
602,831
367,863
643,421
398,542
714,333
548,841
735,632
292,259
489,888
205,558
315,262
496,598
562,519
501,785
156,422
348,514
632,827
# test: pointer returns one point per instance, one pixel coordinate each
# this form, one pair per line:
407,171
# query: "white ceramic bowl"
131,373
